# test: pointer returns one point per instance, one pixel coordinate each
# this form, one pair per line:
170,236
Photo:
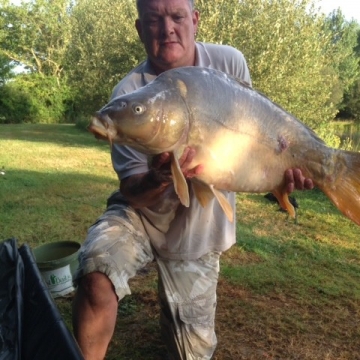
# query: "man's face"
167,29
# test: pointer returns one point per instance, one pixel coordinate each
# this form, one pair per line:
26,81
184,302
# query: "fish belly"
239,162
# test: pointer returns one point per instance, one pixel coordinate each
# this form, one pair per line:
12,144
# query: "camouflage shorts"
118,246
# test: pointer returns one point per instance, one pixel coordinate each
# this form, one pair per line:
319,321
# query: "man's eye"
152,21
178,18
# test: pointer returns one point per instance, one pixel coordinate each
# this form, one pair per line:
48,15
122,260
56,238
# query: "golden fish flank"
244,141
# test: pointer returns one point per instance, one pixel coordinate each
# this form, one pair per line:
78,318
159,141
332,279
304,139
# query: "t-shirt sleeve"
127,161
229,60
236,65
242,69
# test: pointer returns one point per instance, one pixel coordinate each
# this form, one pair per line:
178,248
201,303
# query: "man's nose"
168,26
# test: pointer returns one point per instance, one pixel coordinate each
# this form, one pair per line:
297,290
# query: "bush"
82,122
328,134
32,98
352,101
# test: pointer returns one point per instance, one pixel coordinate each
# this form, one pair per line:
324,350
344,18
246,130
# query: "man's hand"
143,190
295,180
161,163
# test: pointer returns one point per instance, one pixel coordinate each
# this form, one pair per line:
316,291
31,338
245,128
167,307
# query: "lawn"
287,290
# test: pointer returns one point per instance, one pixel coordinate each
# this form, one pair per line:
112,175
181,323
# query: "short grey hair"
139,2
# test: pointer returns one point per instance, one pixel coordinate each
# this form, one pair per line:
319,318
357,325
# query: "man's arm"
144,190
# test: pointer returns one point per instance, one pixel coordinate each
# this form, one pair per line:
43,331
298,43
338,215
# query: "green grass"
320,253
56,182
287,290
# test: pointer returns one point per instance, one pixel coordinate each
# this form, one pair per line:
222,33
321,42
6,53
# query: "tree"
104,47
344,60
6,68
36,34
285,46
87,46
351,103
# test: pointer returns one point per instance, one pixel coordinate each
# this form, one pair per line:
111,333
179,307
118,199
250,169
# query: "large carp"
243,139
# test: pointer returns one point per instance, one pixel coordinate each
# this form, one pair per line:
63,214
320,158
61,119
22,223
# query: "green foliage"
301,60
104,48
32,98
352,100
283,42
36,34
14,104
344,60
351,103
328,134
82,121
6,68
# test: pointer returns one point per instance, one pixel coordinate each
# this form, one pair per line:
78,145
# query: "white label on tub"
59,281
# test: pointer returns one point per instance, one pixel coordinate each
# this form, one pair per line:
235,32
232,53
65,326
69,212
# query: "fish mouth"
102,127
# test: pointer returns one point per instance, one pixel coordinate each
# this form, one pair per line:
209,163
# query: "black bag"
31,327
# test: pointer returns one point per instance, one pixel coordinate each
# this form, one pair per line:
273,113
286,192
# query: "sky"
350,8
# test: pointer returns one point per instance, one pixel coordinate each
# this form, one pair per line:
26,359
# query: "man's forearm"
143,190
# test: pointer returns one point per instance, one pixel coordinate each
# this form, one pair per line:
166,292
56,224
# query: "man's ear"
195,16
139,28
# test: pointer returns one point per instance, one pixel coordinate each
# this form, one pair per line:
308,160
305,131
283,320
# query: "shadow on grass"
40,207
60,134
309,200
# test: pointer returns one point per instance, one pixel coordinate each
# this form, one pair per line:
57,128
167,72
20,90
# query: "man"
185,242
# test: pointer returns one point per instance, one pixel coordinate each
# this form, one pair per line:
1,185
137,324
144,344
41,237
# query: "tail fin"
343,186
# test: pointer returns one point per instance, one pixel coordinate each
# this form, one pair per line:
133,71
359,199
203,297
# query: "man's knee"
97,288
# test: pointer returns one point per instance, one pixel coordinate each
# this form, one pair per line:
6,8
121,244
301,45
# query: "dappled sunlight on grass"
54,191
51,206
320,254
61,134
49,157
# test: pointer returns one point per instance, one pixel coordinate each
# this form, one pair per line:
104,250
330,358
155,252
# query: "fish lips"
102,127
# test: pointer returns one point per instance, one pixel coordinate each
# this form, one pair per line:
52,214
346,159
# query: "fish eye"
138,109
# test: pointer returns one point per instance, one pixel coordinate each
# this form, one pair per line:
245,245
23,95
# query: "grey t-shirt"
177,232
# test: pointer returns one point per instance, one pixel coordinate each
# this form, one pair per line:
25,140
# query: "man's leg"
94,314
116,247
187,291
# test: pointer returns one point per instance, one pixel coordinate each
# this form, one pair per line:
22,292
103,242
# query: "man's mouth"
166,43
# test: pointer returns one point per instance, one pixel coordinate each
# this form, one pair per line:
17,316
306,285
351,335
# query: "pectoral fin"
224,203
180,184
202,191
284,202
205,193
